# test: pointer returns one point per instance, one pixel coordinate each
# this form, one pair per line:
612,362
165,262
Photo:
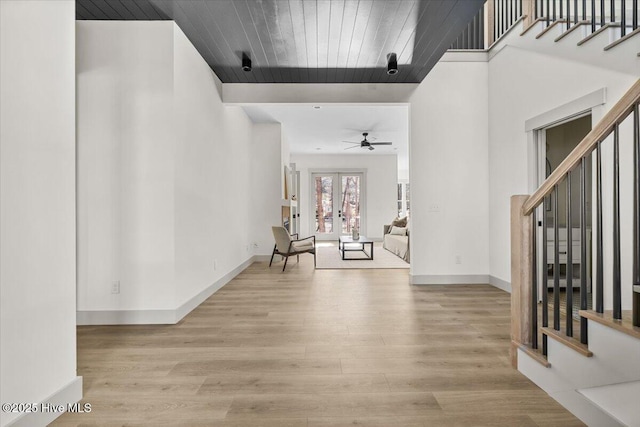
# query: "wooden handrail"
604,127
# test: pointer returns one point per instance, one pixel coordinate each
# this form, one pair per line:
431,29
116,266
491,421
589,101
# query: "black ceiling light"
392,64
246,62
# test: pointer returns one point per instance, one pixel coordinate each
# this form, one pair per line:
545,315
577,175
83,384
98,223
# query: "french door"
338,202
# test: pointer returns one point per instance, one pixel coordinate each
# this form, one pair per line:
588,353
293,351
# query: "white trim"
69,394
161,317
568,111
317,93
463,55
450,279
500,284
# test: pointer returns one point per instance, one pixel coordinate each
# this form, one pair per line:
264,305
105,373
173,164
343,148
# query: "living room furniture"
355,245
287,246
396,244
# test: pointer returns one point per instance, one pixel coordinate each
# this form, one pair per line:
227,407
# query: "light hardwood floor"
316,348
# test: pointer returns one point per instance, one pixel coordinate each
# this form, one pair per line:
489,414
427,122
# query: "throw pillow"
399,222
398,231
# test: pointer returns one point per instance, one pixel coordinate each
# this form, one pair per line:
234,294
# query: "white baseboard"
500,284
453,279
69,394
160,317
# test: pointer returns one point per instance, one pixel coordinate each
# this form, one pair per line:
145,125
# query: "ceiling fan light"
392,64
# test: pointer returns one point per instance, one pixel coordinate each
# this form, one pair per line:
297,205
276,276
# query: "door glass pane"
350,194
324,204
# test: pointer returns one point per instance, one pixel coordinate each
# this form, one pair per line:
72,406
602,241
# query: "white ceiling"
311,130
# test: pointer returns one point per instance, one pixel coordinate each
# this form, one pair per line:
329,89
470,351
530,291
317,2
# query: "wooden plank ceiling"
306,41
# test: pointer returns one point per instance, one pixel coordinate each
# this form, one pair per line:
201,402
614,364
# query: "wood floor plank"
295,384
323,348
355,404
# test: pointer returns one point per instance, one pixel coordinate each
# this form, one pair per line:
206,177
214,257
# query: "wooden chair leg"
298,258
273,254
285,262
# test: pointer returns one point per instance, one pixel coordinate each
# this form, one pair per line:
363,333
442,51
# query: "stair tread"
550,27
573,28
625,325
618,400
536,355
622,39
570,342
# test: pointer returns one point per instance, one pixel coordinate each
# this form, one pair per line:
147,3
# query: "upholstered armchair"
287,246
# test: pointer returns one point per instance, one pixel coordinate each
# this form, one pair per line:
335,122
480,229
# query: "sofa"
396,244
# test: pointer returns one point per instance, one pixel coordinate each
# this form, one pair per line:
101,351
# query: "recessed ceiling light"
317,107
318,148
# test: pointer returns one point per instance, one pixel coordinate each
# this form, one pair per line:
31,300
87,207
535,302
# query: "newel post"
528,12
521,253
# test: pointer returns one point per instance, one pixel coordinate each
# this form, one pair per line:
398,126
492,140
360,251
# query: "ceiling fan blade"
355,146
381,143
351,142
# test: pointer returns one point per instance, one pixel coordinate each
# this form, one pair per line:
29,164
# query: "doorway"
555,143
339,205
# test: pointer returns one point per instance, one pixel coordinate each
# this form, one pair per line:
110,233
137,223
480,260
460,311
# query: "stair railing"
596,13
526,212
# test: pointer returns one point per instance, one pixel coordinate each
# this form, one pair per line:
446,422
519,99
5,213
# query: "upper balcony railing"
498,16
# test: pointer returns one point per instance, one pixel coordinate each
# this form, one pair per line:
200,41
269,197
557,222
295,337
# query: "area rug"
328,257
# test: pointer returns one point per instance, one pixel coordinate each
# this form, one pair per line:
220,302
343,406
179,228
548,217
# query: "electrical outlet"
115,287
434,208
458,259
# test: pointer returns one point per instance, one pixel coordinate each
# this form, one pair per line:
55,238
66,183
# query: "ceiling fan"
366,143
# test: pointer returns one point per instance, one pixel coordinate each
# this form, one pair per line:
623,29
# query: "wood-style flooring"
316,348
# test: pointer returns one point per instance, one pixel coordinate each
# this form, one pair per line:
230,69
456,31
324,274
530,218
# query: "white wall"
164,175
267,172
381,186
213,151
522,85
126,166
449,175
37,203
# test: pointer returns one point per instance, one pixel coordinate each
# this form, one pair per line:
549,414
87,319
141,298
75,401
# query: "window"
403,199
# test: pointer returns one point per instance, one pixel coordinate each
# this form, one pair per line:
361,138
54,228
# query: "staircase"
590,365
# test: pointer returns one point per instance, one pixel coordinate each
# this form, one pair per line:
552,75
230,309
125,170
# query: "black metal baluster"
534,280
561,9
584,304
504,18
545,276
548,15
556,262
593,16
612,18
575,11
481,31
634,17
602,13
599,254
569,290
617,283
636,215
584,10
623,19
554,9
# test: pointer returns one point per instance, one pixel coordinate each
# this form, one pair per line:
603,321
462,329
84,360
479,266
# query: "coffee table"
355,246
